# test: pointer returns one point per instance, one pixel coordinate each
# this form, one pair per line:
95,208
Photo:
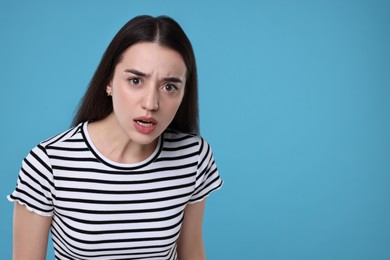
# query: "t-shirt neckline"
120,166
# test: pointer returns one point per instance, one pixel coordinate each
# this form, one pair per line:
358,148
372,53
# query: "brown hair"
95,105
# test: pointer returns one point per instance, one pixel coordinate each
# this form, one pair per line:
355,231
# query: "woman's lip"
145,125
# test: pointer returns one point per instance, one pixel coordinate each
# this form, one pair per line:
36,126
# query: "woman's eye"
135,81
170,88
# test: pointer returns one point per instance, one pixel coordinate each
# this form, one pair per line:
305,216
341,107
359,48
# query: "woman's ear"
109,90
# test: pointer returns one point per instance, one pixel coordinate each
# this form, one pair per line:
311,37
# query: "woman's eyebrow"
142,74
136,72
173,79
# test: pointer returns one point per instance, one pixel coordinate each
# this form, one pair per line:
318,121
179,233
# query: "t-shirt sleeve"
207,177
35,187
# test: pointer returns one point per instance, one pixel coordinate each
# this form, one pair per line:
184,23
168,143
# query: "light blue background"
295,101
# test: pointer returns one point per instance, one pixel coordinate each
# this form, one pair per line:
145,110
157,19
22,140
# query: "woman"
129,180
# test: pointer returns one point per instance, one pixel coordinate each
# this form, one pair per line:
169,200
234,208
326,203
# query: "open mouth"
144,123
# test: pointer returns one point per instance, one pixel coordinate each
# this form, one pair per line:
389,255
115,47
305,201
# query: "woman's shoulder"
176,138
69,135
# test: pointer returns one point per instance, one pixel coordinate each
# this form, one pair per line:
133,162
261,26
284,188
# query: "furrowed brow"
173,79
135,72
142,74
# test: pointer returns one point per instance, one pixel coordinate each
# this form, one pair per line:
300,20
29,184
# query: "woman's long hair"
163,30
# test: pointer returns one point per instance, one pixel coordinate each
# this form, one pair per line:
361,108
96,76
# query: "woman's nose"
151,100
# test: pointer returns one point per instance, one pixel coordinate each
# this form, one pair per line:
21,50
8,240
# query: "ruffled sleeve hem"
29,208
206,195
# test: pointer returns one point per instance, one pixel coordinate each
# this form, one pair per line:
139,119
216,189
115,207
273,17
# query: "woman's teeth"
143,123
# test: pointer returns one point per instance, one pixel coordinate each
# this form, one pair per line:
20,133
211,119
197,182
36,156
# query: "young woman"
129,180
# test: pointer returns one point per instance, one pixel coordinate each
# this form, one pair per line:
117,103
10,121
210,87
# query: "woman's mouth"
145,125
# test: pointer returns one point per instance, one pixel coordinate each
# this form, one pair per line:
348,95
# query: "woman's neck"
113,143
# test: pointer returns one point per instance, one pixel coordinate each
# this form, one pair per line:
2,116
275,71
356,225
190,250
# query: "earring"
108,93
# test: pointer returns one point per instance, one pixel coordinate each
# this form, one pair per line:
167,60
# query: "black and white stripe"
106,210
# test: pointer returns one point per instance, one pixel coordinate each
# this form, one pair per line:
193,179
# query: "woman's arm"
190,243
30,234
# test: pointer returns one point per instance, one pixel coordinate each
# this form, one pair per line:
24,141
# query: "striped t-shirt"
106,210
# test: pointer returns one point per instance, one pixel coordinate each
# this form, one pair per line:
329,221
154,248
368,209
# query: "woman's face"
147,89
